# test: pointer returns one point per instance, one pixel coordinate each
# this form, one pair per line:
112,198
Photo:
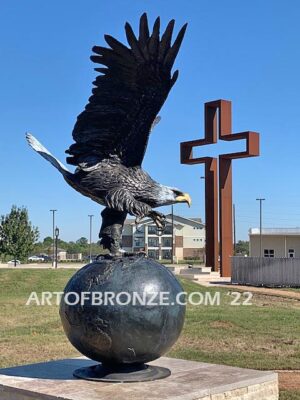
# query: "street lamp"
56,240
260,223
173,255
53,237
91,222
204,255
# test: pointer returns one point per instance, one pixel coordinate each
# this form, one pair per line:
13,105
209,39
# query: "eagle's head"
169,195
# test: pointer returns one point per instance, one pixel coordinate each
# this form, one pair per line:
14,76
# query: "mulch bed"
289,380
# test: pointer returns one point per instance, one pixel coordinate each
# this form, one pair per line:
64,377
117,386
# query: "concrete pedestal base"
189,380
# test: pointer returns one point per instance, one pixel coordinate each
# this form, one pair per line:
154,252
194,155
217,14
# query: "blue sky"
244,51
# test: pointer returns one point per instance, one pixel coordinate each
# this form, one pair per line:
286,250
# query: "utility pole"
204,254
260,223
234,231
172,212
53,237
91,222
56,245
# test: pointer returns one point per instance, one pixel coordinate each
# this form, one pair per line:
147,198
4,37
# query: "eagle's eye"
177,193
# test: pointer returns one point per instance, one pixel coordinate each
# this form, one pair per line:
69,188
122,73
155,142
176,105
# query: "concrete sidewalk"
226,283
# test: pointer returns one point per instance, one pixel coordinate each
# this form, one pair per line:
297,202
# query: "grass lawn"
264,335
289,395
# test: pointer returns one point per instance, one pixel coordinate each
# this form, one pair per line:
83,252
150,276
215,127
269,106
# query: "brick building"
188,235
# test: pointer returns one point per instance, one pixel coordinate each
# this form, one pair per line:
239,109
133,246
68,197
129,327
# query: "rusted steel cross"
218,124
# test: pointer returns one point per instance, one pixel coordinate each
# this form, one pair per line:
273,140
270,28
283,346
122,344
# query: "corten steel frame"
218,125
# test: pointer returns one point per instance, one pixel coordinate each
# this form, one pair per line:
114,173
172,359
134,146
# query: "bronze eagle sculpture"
111,134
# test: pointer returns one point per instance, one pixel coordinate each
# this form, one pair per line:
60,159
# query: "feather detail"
133,84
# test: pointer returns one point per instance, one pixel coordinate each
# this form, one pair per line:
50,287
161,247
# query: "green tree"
82,241
17,235
47,242
242,247
38,248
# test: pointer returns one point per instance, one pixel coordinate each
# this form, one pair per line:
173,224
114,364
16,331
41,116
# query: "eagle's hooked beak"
185,198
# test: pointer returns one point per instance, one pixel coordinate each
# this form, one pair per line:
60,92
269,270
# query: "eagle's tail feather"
39,148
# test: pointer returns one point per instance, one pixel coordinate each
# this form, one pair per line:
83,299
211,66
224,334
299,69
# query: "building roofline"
275,231
146,221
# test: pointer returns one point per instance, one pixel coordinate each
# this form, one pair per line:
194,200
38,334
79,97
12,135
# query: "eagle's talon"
159,220
138,220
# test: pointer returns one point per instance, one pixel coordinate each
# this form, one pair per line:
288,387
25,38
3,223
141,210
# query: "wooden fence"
257,271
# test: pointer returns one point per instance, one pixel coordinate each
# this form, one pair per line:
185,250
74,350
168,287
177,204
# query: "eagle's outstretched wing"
128,95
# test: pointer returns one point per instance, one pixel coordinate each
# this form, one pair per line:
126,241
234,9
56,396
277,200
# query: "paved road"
43,266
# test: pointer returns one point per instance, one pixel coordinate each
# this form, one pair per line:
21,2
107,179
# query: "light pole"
203,177
91,222
260,223
53,237
56,242
234,230
204,254
172,257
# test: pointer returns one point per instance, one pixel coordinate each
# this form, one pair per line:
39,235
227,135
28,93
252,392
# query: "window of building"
269,253
166,242
153,254
167,230
152,230
291,253
139,242
153,242
140,230
166,254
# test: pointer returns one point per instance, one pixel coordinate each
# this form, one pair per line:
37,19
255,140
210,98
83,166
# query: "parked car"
45,257
87,258
36,258
14,261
